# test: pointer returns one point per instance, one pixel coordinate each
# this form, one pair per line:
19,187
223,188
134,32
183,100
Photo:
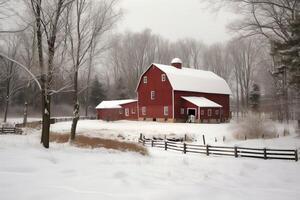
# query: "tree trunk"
237,99
25,114
6,109
9,75
88,82
76,107
46,121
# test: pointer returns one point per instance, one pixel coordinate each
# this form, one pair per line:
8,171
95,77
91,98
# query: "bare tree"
10,73
48,17
90,25
244,55
216,58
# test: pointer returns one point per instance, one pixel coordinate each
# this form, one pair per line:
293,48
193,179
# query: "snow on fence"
10,130
282,154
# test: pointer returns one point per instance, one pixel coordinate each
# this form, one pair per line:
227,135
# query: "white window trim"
144,110
166,110
152,94
132,111
163,77
145,79
127,112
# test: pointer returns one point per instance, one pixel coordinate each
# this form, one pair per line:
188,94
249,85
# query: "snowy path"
29,172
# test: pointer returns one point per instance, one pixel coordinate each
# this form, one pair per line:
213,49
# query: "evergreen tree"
121,89
97,93
289,54
254,97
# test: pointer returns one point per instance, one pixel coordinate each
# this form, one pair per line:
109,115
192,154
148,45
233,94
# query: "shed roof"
114,103
202,102
194,80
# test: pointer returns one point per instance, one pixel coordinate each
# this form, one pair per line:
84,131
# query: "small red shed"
117,110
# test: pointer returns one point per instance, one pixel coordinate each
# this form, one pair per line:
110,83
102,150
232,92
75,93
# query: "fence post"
207,150
236,152
296,155
185,137
152,143
184,148
143,142
224,138
166,145
265,153
203,137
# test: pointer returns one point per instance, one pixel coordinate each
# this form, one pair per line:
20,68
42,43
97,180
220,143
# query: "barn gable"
192,80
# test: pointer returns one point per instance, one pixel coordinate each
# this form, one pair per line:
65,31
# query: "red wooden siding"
110,114
132,113
221,99
163,95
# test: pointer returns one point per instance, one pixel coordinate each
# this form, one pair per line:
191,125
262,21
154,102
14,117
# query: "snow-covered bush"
254,126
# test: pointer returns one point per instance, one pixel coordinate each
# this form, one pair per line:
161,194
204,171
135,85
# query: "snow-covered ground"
130,130
30,172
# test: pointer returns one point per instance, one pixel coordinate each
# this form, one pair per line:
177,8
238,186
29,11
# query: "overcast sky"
175,19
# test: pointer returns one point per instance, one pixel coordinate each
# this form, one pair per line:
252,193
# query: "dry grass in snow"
93,142
253,127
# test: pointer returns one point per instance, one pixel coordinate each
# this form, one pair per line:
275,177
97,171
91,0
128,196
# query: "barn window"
133,111
166,110
152,95
202,112
143,110
120,111
126,112
209,112
145,79
217,112
182,111
163,77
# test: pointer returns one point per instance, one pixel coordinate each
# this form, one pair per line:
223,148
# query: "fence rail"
10,130
264,153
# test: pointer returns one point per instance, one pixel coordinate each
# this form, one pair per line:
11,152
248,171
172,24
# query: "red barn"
175,94
117,110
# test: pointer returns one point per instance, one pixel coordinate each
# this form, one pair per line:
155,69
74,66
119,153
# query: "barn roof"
194,80
202,102
114,103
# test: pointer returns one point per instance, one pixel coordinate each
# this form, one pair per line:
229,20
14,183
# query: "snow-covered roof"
114,103
202,102
176,60
194,80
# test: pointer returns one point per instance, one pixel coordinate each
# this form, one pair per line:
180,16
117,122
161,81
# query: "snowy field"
29,172
130,130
